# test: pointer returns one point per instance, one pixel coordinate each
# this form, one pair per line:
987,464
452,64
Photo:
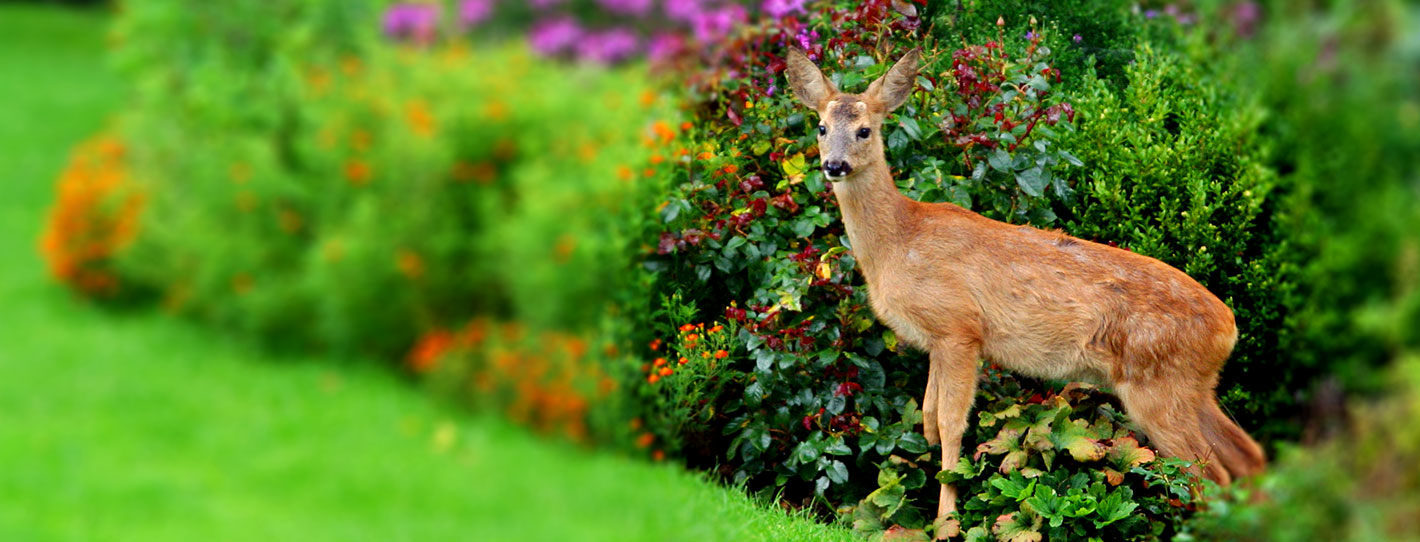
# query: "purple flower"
683,11
770,91
715,24
1077,38
1151,13
1030,35
607,47
473,12
780,8
626,7
411,20
807,38
663,47
554,36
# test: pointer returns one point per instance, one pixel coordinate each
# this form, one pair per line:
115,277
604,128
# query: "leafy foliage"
1175,170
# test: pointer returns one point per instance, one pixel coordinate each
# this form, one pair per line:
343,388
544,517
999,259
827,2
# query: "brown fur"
964,287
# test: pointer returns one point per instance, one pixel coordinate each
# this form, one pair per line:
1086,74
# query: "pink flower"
607,47
626,7
554,36
683,11
780,8
715,24
412,20
473,12
663,47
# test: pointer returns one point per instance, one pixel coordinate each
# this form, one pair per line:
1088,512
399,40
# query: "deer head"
849,135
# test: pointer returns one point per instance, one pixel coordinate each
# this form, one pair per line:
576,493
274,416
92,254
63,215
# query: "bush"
348,195
1175,170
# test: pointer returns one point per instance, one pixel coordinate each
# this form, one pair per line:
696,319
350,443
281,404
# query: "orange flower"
717,328
663,131
705,155
653,378
431,347
360,140
658,455
648,172
483,172
656,159
659,362
666,371
645,367
495,110
562,251
289,220
655,345
350,65
692,337
721,354
731,168
420,120
623,172
635,423
357,172
683,361
410,264
685,126
645,440
648,98
687,328
705,355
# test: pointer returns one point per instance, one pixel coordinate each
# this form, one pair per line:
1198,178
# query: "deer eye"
822,130
863,133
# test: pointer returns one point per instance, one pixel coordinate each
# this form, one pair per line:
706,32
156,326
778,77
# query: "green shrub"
1174,169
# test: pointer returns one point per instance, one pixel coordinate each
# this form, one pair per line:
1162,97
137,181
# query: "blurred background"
504,270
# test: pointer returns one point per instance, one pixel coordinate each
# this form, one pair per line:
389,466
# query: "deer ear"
893,88
809,84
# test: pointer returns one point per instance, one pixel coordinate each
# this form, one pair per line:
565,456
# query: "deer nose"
837,168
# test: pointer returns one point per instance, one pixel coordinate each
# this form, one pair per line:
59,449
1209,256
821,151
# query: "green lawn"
117,426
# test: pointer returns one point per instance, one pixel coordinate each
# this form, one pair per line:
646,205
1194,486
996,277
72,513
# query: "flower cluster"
547,382
96,214
694,344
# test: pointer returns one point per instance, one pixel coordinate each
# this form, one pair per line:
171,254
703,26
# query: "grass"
133,426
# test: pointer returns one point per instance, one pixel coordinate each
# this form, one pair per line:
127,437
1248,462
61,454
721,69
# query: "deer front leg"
953,378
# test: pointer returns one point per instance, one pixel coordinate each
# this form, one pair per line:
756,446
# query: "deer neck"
872,214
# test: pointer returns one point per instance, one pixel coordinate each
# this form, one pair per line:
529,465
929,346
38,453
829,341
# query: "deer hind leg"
1169,414
953,379
929,408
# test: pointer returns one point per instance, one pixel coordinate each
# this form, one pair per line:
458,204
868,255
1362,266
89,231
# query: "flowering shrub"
363,193
96,214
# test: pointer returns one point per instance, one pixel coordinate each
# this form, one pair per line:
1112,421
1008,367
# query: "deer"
963,288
